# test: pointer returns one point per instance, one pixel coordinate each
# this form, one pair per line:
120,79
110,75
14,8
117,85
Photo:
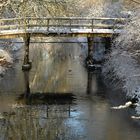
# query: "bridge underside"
52,33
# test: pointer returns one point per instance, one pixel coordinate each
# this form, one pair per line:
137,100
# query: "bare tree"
123,62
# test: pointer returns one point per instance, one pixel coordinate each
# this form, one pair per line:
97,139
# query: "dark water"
66,102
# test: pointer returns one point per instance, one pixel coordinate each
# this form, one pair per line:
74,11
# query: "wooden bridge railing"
67,23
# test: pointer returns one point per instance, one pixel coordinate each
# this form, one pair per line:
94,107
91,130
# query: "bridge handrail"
71,22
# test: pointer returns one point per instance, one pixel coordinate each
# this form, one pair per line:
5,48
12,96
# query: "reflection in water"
89,82
65,102
27,83
47,99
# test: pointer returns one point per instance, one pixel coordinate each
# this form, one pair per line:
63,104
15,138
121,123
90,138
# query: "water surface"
85,115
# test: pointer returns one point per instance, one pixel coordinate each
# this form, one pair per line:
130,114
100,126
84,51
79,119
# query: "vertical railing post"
18,22
70,20
48,22
60,24
114,24
28,22
92,25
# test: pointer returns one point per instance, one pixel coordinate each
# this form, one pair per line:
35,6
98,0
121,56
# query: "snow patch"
126,105
135,117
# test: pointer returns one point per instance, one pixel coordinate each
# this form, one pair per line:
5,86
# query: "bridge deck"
59,33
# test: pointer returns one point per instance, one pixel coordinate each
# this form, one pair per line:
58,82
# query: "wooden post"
70,24
92,24
90,50
48,22
26,64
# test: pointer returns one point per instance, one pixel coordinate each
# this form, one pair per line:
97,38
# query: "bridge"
59,27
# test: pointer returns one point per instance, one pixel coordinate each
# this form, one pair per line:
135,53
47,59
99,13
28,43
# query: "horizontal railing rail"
63,18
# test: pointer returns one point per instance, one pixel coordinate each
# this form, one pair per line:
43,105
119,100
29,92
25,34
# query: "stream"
66,101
